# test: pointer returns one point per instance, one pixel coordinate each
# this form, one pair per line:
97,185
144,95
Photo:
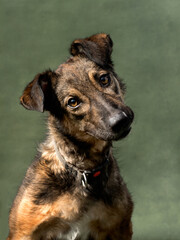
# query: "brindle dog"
73,189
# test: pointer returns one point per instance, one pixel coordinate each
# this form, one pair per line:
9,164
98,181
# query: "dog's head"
84,94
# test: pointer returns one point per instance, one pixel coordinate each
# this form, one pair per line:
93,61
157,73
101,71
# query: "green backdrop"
36,35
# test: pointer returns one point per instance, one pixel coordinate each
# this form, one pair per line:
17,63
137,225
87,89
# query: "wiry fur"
52,202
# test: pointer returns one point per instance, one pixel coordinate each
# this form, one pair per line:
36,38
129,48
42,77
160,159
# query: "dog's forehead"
76,69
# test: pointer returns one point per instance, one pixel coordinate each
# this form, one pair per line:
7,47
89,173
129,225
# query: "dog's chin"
110,136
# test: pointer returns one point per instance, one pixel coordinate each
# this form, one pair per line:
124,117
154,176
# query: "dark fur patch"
52,186
90,237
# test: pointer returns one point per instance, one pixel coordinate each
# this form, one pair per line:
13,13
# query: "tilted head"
83,95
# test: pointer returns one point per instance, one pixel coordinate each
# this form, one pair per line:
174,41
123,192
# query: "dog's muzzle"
121,121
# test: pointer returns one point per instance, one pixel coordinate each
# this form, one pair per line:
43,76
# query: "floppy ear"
97,48
38,93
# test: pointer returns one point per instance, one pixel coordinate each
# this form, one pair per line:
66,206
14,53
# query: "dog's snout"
121,121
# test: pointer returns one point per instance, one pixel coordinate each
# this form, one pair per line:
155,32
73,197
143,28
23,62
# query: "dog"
73,189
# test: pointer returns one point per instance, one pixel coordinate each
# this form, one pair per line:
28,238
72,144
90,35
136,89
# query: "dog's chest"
79,230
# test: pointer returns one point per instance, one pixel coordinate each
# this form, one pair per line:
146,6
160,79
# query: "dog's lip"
110,137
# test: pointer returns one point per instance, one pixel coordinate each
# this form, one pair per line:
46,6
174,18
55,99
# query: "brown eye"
73,102
105,80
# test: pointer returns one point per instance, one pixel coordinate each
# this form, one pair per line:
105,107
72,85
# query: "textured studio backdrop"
36,35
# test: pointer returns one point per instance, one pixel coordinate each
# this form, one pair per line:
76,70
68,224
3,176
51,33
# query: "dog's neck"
83,154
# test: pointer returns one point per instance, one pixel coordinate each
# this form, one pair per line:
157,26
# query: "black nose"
121,121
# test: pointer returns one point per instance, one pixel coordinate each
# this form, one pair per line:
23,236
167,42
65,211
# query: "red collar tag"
96,174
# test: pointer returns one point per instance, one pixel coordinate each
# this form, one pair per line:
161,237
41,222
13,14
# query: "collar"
92,180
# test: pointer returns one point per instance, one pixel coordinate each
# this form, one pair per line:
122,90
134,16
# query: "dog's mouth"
109,135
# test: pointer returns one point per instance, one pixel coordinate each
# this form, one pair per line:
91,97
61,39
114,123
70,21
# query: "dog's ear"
97,48
38,93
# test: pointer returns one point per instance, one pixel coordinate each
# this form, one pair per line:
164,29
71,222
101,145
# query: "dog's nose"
121,120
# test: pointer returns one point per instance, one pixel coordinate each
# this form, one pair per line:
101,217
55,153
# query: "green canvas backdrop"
36,35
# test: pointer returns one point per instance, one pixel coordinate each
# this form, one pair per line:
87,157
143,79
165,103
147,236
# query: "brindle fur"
51,202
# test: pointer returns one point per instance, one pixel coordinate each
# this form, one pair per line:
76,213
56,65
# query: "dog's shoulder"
49,184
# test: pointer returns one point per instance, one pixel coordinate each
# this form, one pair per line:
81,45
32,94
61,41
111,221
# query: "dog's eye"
73,102
105,80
